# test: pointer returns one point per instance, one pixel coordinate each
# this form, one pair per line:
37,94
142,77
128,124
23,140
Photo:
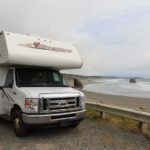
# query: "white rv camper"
32,90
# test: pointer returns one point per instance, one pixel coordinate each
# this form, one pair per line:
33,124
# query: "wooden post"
143,127
103,115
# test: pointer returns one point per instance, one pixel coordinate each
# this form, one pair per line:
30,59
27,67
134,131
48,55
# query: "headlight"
82,101
31,105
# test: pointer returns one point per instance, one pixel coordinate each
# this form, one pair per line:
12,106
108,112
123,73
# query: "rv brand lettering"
38,45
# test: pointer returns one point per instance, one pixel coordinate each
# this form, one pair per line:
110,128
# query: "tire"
18,125
74,125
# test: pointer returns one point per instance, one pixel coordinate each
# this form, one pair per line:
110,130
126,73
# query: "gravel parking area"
91,134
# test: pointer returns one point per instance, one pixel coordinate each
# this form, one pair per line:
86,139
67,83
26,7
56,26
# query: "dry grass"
117,120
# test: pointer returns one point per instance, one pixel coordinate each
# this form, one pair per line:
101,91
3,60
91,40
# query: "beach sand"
137,103
121,101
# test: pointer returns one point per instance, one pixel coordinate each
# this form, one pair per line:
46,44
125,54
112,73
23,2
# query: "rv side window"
9,79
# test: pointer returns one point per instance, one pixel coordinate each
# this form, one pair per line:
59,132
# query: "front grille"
52,105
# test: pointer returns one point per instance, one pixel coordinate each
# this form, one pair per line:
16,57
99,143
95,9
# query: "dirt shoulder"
91,134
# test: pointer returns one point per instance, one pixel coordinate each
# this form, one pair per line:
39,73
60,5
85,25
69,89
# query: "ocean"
121,87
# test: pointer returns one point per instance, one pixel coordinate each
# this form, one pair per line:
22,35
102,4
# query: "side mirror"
78,84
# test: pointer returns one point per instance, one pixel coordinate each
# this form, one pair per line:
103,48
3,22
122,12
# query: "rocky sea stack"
132,80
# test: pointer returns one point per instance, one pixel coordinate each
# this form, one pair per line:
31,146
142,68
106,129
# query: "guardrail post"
143,127
103,115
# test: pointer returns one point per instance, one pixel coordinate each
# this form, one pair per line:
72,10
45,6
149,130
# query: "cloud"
112,35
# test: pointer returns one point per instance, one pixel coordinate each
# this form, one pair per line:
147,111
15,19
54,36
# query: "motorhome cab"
32,89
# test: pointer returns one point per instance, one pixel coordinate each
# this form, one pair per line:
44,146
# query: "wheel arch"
14,108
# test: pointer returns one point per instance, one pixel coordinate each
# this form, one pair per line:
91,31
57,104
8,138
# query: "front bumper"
59,118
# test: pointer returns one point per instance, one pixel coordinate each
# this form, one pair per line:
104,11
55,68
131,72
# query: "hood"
35,92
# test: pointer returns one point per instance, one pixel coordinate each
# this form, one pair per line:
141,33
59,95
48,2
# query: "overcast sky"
113,36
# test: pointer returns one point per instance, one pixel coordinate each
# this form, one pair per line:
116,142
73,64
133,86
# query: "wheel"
74,125
19,127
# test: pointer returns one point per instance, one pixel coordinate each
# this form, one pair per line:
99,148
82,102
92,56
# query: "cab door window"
9,79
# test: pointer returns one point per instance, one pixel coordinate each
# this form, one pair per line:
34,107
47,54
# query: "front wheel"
19,127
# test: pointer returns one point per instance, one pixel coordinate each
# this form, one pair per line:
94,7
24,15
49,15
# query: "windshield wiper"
61,85
57,85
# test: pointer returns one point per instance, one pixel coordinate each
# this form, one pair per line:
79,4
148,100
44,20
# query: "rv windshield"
35,77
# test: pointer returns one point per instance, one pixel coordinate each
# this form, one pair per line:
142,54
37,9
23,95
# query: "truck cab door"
7,100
